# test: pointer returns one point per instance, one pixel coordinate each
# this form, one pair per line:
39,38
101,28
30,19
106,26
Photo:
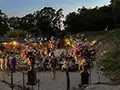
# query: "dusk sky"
23,7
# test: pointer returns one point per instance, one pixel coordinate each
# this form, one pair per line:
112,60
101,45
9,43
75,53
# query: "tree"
44,23
44,18
73,23
89,19
35,31
27,22
57,22
14,22
3,23
48,21
115,5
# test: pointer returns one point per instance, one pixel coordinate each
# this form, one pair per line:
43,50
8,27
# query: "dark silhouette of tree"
14,22
44,18
57,23
74,23
48,21
87,19
115,5
3,23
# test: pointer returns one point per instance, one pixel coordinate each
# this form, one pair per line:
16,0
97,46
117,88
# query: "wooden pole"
90,76
11,80
38,84
68,80
3,77
98,72
23,81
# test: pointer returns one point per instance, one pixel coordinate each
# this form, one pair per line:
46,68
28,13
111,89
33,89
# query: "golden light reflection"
15,43
4,43
93,42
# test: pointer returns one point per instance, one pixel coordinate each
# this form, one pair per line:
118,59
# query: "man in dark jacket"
13,63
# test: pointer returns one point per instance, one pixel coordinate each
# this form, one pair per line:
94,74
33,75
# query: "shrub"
110,61
16,33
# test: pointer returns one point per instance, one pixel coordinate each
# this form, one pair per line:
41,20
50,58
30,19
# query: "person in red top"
24,55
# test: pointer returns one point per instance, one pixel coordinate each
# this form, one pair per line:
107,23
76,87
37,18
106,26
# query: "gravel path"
3,86
102,87
46,82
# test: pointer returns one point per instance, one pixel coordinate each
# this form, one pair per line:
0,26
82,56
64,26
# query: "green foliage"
110,61
47,21
97,18
16,33
3,23
115,4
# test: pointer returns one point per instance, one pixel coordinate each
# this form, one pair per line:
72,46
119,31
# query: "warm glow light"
93,42
4,43
14,43
67,42
40,43
73,45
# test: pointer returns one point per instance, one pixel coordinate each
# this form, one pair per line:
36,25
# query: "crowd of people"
77,55
8,63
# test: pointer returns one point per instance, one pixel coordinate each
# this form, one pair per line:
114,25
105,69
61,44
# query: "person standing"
3,63
13,63
7,64
31,62
53,64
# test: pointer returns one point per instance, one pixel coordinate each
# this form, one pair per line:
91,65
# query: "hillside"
98,34
108,50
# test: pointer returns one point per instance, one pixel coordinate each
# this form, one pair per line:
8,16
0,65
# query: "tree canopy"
48,21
